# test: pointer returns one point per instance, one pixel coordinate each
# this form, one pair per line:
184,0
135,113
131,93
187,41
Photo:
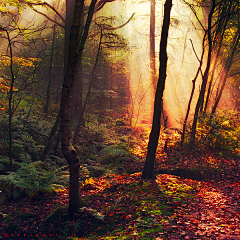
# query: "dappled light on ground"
169,208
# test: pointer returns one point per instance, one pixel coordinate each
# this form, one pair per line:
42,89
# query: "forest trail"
214,214
169,208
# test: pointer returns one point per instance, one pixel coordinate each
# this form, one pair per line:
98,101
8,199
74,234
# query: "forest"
119,119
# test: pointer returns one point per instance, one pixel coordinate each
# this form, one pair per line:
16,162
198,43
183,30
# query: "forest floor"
196,195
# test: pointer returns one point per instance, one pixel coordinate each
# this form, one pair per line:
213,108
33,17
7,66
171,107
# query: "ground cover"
196,193
124,207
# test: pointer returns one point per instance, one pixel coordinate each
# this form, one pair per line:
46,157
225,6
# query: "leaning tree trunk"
50,140
219,35
229,64
200,101
192,92
148,171
68,151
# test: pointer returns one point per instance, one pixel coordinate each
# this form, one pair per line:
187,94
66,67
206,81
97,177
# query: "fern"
24,157
114,151
31,178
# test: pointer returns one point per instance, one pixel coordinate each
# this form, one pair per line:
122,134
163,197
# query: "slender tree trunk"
148,171
219,31
10,112
229,64
68,151
192,92
55,148
152,44
189,105
50,71
68,23
88,93
50,139
200,101
76,46
76,98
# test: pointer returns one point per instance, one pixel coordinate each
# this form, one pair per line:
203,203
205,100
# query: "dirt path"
213,214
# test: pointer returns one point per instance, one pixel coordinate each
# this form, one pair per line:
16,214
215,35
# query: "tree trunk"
189,105
50,139
68,151
76,97
88,93
200,101
221,28
152,44
192,92
68,23
10,111
148,171
229,64
50,72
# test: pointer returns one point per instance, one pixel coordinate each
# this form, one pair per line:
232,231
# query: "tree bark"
88,92
152,44
219,35
10,111
76,97
229,64
50,139
71,68
192,92
148,171
200,101
50,71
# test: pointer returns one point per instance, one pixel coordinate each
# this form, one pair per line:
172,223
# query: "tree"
192,92
223,18
205,76
222,21
227,66
76,46
148,171
152,43
11,34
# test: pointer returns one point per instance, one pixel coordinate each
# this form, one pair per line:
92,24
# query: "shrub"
220,131
31,179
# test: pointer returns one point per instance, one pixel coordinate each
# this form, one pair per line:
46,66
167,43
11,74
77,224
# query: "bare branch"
48,5
57,23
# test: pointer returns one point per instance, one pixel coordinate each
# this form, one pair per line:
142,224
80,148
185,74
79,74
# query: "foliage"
32,178
29,133
220,131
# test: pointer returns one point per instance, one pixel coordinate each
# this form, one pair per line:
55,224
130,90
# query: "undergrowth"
219,132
